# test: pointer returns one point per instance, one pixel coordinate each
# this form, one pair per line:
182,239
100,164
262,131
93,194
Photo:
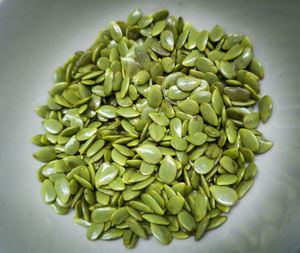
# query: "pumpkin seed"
265,108
161,233
224,195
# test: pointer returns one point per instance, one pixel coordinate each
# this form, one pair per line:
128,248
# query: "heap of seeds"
151,131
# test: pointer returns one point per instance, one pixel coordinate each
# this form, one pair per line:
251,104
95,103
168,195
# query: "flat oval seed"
187,83
111,234
189,106
102,214
167,40
156,219
229,164
209,114
201,203
265,108
157,132
224,195
244,59
86,133
62,188
233,52
152,203
251,120
136,228
249,140
197,138
175,204
95,147
203,165
115,31
159,118
149,153
264,145
226,179
94,231
48,192
52,126
45,154
178,143
72,146
119,215
257,68
230,131
167,170
154,97
105,176
216,33
205,65
227,69
202,39
201,228
187,221
127,112
175,93
216,222
158,27
244,187
217,102
134,16
190,59
237,93
161,233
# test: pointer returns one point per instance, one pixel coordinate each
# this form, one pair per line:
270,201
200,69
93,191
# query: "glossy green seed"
187,221
187,83
229,164
94,231
182,39
201,203
158,27
216,33
190,59
167,170
45,154
202,226
86,133
156,219
62,188
159,118
251,120
217,102
105,176
202,39
189,106
224,195
178,143
167,40
48,192
216,222
249,140
175,204
197,138
161,233
115,31
136,228
52,126
257,68
244,59
237,93
127,112
149,153
227,69
102,214
205,65
208,113
72,146
265,106
244,187
203,165
111,234
226,179
233,52
134,16
154,97
230,131
152,203
264,145
141,77
231,40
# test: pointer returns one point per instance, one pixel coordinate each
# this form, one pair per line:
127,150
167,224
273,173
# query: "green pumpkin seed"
45,154
48,192
161,233
94,231
189,106
202,226
216,222
244,59
203,165
197,138
216,33
151,202
175,204
111,234
52,126
149,153
167,40
224,195
244,187
237,93
179,143
136,228
134,16
265,108
62,188
264,145
249,140
205,65
154,97
86,133
159,118
201,203
227,69
233,52
226,179
190,59
251,120
209,114
202,39
167,170
187,221
187,83
105,176
102,214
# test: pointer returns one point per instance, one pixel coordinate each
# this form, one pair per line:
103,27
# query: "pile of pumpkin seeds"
152,130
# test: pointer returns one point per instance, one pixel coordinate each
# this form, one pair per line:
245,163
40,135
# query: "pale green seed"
201,203
86,133
264,145
141,77
158,27
216,33
217,102
161,233
48,192
249,140
156,219
190,59
229,164
149,153
159,118
45,154
209,114
216,222
230,131
233,52
187,221
127,112
187,83
52,126
175,93
157,132
175,204
257,68
244,187
72,146
227,69
265,108
189,106
154,97
226,179
167,40
167,170
111,234
152,203
102,214
202,226
115,31
178,143
62,188
203,165
134,16
205,65
251,120
94,231
202,39
244,59
105,176
224,195
197,138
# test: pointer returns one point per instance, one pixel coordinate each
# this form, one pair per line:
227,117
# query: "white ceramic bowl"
37,36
